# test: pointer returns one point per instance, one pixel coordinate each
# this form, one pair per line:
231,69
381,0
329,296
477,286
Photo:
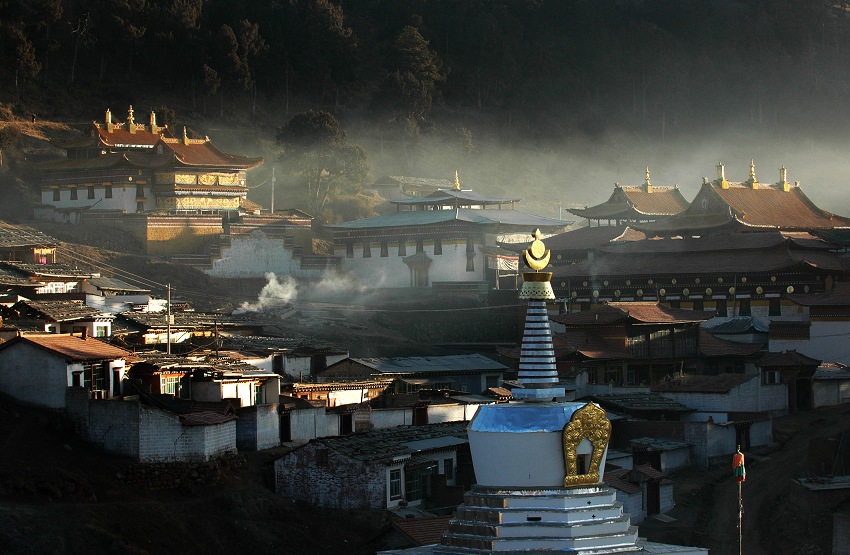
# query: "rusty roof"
617,478
721,383
72,347
633,202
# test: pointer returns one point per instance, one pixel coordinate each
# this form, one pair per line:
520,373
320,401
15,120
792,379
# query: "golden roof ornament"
752,180
647,183
535,285
456,185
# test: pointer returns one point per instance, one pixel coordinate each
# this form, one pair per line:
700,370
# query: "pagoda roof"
505,217
201,152
699,256
838,296
741,206
585,238
636,202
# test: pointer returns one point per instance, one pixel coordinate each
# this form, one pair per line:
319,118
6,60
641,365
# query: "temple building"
449,236
141,167
640,203
723,207
752,275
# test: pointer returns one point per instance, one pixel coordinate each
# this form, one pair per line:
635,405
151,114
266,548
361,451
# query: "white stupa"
539,463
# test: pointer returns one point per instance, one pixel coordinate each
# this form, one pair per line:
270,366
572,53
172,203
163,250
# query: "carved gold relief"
228,180
185,178
589,422
207,179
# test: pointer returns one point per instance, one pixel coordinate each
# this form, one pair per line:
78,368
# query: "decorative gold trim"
589,422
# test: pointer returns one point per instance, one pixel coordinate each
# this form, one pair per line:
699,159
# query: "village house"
634,204
643,490
26,245
471,373
51,278
449,237
38,368
113,295
152,328
71,317
831,385
795,371
379,469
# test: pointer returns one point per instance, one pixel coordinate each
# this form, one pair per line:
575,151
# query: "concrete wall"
750,396
632,505
307,424
831,392
667,503
163,438
255,255
451,413
31,375
330,480
823,344
391,271
258,427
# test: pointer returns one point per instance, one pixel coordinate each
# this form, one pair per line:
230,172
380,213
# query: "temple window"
385,252
402,248
140,191
420,246
367,250
745,309
56,194
73,193
90,193
774,308
438,246
722,310
140,207
349,250
107,192
470,263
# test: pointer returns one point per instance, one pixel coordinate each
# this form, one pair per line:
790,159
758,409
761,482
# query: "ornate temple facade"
130,167
450,236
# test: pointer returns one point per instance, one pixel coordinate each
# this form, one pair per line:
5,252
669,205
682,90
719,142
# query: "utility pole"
168,322
272,189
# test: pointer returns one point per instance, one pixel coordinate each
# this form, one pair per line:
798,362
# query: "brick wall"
258,427
329,479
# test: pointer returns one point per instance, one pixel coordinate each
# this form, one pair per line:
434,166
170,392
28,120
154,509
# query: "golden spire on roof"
456,186
783,179
535,285
721,176
754,183
130,115
647,183
185,136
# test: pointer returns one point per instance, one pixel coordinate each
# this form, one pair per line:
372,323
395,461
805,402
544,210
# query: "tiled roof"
737,325
384,444
639,402
591,237
711,346
786,359
49,270
643,312
195,152
60,311
12,236
446,363
740,205
407,180
634,202
73,347
121,137
423,531
12,278
617,478
418,218
839,296
721,383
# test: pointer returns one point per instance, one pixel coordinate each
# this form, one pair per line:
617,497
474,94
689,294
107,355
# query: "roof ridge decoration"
721,176
752,181
456,185
647,184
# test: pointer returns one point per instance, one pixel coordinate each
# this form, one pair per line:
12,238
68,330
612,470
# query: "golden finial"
185,136
752,180
130,115
647,183
721,176
536,256
457,181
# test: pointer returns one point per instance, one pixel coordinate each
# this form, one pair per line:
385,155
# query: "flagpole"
740,521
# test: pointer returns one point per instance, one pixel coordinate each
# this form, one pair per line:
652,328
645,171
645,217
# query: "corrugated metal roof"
639,402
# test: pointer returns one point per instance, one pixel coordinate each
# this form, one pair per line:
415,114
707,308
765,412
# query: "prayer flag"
738,467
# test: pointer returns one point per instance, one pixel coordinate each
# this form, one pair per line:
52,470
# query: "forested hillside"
430,86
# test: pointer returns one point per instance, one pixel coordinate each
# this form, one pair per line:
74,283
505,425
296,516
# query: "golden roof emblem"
536,256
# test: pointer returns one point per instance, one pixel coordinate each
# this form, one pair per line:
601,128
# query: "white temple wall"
256,255
824,342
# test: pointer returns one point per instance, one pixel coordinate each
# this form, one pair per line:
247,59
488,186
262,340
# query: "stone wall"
173,475
321,477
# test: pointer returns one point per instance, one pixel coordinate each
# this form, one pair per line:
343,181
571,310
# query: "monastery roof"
389,443
445,363
72,347
417,218
585,238
62,311
408,180
460,196
786,359
637,312
838,296
201,152
721,383
692,260
740,205
633,202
